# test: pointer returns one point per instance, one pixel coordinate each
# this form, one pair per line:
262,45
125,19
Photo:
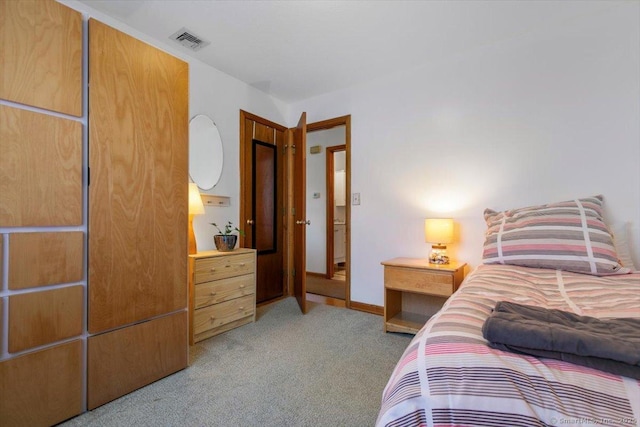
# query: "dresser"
222,292
414,290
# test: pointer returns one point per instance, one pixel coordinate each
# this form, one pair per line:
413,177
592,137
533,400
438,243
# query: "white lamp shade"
438,230
195,201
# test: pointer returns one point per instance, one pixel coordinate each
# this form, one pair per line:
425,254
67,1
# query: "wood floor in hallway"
319,285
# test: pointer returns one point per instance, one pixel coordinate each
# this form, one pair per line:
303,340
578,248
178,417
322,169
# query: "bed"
449,375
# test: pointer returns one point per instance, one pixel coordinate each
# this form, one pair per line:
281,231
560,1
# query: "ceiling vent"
188,39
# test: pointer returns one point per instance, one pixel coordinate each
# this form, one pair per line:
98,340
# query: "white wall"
220,97
551,115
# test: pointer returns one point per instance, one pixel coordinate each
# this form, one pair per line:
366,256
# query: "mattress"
449,376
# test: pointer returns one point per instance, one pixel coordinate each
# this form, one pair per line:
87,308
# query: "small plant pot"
225,243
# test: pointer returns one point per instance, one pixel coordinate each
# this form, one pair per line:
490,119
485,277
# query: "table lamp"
439,232
195,208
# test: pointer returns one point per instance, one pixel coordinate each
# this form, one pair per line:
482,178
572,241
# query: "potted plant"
226,241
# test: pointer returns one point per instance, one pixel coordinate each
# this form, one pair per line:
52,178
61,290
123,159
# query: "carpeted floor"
326,368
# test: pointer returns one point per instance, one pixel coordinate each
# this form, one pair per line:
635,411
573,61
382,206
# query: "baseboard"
367,308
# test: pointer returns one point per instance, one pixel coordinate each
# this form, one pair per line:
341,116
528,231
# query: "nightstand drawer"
421,281
215,268
224,290
218,315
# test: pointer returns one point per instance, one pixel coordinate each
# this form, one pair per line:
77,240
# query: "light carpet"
325,368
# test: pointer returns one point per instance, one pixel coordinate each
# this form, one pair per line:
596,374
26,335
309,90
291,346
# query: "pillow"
568,235
620,233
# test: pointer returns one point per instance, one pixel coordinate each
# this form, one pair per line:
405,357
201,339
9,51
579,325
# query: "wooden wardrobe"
138,151
93,213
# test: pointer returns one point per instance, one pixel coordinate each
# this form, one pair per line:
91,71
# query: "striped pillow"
568,236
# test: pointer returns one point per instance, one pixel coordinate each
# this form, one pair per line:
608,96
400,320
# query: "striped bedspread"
448,376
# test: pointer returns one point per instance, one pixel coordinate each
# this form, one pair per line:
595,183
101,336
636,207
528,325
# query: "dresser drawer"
421,281
215,268
224,290
217,315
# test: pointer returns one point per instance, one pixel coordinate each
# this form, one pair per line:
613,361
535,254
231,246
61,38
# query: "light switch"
355,198
316,195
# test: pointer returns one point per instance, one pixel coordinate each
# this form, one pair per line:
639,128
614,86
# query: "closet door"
42,299
138,151
263,166
138,129
41,51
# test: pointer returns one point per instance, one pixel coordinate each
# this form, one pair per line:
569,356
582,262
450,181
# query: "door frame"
329,124
330,174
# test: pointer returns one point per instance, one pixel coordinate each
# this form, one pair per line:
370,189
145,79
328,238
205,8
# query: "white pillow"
621,234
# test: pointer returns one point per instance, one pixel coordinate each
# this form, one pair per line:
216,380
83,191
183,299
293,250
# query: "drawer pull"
213,269
212,318
241,286
213,293
242,264
240,308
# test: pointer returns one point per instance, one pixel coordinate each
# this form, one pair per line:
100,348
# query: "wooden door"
262,211
137,266
41,185
300,222
138,190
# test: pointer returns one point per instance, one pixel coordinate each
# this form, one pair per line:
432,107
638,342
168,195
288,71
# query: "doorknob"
250,221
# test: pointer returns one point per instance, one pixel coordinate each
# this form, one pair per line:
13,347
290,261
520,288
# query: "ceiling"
294,50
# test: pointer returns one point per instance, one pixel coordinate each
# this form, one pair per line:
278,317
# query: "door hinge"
293,147
284,149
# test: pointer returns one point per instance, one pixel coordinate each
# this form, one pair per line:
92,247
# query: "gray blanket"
611,345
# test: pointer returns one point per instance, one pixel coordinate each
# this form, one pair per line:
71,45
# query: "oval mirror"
205,152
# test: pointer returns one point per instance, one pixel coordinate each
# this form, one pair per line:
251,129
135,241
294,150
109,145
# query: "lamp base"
193,248
438,255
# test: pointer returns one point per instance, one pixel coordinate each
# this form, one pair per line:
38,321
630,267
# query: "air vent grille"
188,39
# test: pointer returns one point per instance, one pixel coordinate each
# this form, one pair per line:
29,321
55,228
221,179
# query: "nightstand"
414,290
